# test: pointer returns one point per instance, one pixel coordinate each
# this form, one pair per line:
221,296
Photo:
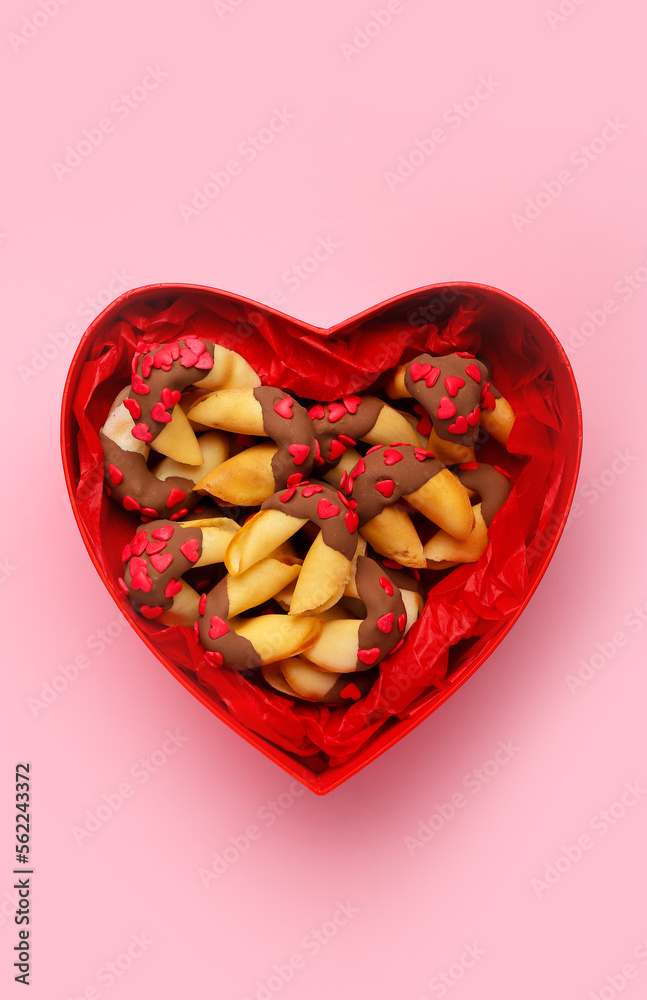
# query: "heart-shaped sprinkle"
163,533
178,514
142,433
164,358
392,457
190,549
195,344
149,511
170,397
346,439
318,459
162,562
464,354
310,490
204,362
139,386
459,426
284,407
351,521
385,487
141,582
299,452
326,509
446,410
368,656
107,490
342,481
295,478
392,564
336,411
202,603
502,471
351,691
154,547
359,469
351,504
468,466
386,622
421,454
386,586
196,632
402,621
139,543
133,407
159,414
316,412
149,612
453,383
147,365
351,403
172,588
474,372
175,496
116,475
337,449
474,417
126,553
214,658
187,358
217,627
123,585
418,371
488,402
432,377
288,494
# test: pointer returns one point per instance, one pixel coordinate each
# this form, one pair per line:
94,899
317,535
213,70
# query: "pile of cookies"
336,508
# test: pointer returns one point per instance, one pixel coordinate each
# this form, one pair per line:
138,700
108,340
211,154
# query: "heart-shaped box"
470,609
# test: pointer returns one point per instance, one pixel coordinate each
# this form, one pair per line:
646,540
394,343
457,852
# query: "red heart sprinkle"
326,509
385,623
474,417
392,457
368,656
190,550
453,383
351,403
284,407
107,490
416,573
130,503
432,377
424,425
342,481
170,397
474,372
391,564
188,359
464,354
124,586
350,691
141,582
139,386
351,504
204,362
295,478
421,454
159,413
161,562
149,612
149,511
163,533
485,389
195,345
402,621
386,585
116,475
336,411
288,494
217,627
337,449
175,496
172,588
299,452
142,433
126,553
446,410
418,371
316,412
163,359
502,471
310,490
459,426
154,547
342,498
202,603
133,407
351,520
359,468
147,365
468,466
346,439
318,459
385,487
138,544
214,658
488,402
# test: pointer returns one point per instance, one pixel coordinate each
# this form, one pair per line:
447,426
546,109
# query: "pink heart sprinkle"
446,410
130,503
459,426
116,475
188,359
154,547
337,449
385,487
170,397
195,345
453,383
161,562
368,656
204,362
316,412
142,433
474,417
474,372
386,622
386,585
217,627
418,371
336,411
432,377
351,691
351,520
159,414
190,550
326,509
299,452
172,588
392,457
164,533
139,386
351,403
149,612
284,407
214,658
133,407
141,582
175,496
202,603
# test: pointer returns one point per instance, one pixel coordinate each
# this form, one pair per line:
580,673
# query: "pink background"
415,911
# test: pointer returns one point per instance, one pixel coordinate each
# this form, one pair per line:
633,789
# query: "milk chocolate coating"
466,402
237,651
144,567
339,530
354,425
492,487
174,375
141,485
380,606
347,687
412,470
286,431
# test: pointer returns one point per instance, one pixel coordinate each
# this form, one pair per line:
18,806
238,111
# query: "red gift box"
468,611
